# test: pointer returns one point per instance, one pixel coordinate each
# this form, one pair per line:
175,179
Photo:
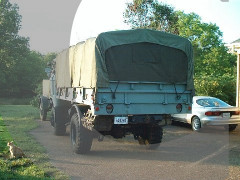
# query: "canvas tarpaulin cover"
129,55
63,69
76,65
46,88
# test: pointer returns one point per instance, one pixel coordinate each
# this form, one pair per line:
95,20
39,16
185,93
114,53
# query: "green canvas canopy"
140,55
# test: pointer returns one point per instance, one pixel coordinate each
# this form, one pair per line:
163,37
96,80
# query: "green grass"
16,122
15,101
4,138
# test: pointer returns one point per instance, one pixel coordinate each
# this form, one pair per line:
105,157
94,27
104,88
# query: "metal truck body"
119,83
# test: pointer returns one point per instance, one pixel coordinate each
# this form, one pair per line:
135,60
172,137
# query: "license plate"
226,115
120,120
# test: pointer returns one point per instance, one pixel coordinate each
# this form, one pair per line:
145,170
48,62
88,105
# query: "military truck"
119,83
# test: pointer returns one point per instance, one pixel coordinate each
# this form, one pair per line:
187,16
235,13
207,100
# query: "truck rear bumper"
140,109
105,123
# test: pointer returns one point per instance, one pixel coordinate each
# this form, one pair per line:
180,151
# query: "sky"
226,14
96,16
48,23
54,25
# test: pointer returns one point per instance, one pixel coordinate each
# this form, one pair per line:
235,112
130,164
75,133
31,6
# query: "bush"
35,101
222,87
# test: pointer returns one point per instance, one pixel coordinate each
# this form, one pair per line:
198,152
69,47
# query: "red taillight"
109,108
235,113
213,113
179,108
189,108
97,108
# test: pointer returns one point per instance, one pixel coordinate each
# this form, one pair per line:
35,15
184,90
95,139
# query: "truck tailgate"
134,98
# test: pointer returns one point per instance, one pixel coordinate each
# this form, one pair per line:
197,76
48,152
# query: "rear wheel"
152,137
230,127
43,114
196,124
57,122
81,138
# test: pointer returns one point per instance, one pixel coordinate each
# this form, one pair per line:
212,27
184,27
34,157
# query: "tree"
30,71
13,48
20,69
215,68
151,14
204,37
49,57
46,59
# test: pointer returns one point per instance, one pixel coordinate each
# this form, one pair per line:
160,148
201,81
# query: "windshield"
212,102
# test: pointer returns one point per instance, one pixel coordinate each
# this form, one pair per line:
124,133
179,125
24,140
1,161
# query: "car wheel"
196,124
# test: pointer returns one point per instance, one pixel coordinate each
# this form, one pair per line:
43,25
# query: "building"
234,47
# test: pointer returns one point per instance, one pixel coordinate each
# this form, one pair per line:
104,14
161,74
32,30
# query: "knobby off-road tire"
153,137
57,122
81,138
43,112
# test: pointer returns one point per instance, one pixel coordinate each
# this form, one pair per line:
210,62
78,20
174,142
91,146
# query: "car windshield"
211,102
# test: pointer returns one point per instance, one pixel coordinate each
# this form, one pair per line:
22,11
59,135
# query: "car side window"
211,103
203,102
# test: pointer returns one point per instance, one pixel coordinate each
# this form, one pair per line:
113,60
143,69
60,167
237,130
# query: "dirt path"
182,155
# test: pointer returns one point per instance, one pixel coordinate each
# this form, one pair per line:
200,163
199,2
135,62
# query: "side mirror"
48,71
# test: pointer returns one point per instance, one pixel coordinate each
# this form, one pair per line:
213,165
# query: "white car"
210,111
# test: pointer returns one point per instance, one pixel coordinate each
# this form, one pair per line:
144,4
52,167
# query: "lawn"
15,123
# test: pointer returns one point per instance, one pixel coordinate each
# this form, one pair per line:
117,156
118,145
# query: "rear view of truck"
120,83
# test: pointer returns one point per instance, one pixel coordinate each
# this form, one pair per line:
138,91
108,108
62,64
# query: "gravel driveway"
183,154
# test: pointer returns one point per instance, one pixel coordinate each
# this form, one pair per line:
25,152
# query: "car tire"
230,127
196,124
